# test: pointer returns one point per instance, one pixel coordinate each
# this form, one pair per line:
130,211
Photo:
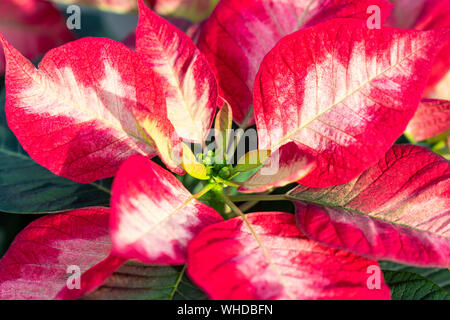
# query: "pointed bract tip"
3,41
143,8
141,4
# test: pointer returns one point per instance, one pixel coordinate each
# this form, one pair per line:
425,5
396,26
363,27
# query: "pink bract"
275,261
396,210
343,93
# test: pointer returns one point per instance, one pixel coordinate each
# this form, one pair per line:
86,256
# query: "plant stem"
177,283
233,207
248,205
258,197
202,192
102,188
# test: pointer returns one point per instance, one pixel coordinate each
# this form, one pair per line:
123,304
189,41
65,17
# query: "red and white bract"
286,165
190,86
25,23
74,115
153,216
43,257
427,15
277,261
240,33
431,119
343,92
397,210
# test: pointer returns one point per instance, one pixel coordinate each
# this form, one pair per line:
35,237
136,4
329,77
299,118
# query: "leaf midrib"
174,75
351,210
75,105
357,89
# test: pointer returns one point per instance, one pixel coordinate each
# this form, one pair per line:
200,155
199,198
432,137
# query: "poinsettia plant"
259,155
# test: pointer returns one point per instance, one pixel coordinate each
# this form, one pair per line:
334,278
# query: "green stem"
248,205
102,188
258,197
177,283
202,192
233,207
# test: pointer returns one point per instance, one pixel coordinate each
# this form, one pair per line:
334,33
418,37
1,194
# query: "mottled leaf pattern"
190,86
427,15
397,210
343,92
38,263
273,260
26,187
153,216
431,119
240,33
74,115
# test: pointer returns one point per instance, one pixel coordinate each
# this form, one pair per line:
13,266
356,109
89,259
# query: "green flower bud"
208,161
199,157
225,173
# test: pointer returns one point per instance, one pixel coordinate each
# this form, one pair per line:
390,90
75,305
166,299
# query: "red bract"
275,261
427,15
190,86
74,115
153,216
240,33
343,93
396,210
113,96
431,119
78,238
26,23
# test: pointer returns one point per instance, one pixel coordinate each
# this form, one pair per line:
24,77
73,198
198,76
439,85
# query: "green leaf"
26,187
245,175
439,276
252,160
136,281
412,286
